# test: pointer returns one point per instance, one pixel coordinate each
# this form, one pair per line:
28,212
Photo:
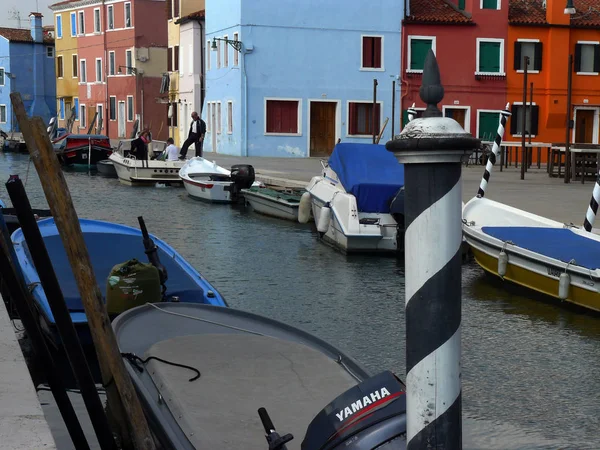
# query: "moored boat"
234,364
132,171
82,149
281,203
106,168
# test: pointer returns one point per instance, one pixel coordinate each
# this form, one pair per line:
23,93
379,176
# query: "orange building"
543,31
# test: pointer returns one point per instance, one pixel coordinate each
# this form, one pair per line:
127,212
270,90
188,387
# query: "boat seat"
241,373
558,243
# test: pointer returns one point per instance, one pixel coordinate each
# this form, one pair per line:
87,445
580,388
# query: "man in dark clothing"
195,136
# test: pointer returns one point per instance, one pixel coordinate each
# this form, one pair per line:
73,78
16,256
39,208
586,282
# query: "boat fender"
304,208
564,282
324,219
502,263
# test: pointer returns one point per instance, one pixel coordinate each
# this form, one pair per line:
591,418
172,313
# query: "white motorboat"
280,203
132,171
358,200
206,180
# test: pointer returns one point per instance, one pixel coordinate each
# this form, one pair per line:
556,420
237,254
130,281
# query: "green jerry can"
132,284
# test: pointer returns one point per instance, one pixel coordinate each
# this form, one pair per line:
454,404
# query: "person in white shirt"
172,151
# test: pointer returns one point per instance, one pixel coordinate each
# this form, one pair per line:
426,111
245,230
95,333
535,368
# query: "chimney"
555,12
35,22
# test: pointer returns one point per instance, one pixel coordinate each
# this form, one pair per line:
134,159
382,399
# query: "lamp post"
570,10
237,45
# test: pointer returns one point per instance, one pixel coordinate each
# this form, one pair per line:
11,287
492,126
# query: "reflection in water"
530,369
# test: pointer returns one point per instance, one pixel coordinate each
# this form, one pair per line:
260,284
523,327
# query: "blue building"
303,78
27,66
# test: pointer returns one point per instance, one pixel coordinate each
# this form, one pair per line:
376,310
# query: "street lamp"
570,8
237,45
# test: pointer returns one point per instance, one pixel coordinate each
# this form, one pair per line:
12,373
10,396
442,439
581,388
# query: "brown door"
322,128
458,114
584,126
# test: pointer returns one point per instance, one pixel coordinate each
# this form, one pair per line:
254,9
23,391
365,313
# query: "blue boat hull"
108,244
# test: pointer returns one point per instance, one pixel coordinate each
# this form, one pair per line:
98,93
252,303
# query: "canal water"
530,370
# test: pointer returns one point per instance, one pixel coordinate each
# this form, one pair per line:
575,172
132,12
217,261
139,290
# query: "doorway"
585,131
460,114
121,119
322,128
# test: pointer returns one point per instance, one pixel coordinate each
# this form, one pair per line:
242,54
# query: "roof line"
436,22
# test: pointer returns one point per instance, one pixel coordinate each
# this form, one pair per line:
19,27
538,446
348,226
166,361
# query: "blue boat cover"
370,173
557,243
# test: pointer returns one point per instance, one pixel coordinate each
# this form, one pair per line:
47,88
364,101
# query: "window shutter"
577,65
176,57
597,58
513,119
367,52
517,61
170,59
537,59
377,52
352,118
404,118
535,114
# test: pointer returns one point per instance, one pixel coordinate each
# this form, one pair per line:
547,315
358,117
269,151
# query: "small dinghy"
358,200
281,203
106,168
205,180
204,377
108,244
82,149
11,220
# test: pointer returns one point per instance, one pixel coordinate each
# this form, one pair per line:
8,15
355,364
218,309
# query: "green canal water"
530,370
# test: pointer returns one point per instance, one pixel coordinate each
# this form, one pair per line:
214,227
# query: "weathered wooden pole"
432,150
504,115
120,390
524,120
374,115
569,123
393,105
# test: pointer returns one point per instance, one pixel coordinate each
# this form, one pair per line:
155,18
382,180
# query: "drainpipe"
403,80
104,26
202,88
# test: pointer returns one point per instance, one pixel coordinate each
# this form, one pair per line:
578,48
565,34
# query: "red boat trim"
198,183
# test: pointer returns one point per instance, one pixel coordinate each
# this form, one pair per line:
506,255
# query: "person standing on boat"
195,136
171,151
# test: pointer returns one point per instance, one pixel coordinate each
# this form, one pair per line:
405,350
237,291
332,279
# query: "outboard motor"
243,177
371,415
397,212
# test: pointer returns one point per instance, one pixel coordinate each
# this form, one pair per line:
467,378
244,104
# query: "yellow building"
175,10
66,62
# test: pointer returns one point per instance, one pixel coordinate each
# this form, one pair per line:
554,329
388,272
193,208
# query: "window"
531,49
97,26
173,119
226,53
82,71
82,116
170,59
2,77
219,117
282,116
208,117
59,67
229,117
207,55
487,124
129,61
127,15
236,56
112,108
418,47
2,113
111,17
372,50
81,22
176,58
360,118
490,4
74,65
59,26
490,56
531,120
219,54
76,107
100,118
461,5
98,70
50,52
587,57
61,109
130,108
73,24
111,63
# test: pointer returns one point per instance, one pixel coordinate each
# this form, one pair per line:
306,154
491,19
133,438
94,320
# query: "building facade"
302,76
469,39
27,67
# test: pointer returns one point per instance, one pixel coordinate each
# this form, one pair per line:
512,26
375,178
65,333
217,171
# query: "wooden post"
120,390
524,121
374,115
569,124
394,105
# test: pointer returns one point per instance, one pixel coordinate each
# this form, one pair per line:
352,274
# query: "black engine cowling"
242,176
370,415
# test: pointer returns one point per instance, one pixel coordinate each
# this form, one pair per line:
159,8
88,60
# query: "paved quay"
22,421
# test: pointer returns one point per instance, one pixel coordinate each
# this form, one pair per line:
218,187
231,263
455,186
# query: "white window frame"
467,114
125,15
128,58
226,53
82,116
3,76
82,71
588,73
96,70
61,109
80,23
112,63
49,47
72,16
99,108
75,66
299,100
433,40
116,108
219,118
110,14
218,54
208,52
130,111
362,136
5,114
502,72
76,102
498,5
532,104
229,117
372,69
236,56
97,30
62,60
595,124
531,41
59,29
495,111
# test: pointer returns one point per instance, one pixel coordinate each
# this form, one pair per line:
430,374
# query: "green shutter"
461,5
404,117
489,57
418,51
488,125
490,4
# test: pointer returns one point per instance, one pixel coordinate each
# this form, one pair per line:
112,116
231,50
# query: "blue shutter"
76,108
73,24
59,26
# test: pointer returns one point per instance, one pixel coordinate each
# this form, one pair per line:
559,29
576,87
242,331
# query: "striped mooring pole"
592,210
504,115
411,112
432,149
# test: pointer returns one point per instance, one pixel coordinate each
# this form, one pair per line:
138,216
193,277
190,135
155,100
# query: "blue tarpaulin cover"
557,243
370,173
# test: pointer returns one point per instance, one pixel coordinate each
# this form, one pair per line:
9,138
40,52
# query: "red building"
122,51
469,39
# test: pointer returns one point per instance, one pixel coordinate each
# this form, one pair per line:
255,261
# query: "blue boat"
108,244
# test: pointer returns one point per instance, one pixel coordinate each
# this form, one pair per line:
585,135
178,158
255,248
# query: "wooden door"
322,128
458,114
584,126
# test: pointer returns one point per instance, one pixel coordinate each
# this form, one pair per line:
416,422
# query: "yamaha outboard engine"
371,415
397,212
243,177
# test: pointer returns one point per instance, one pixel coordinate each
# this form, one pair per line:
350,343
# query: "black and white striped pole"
504,115
432,149
592,210
411,112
